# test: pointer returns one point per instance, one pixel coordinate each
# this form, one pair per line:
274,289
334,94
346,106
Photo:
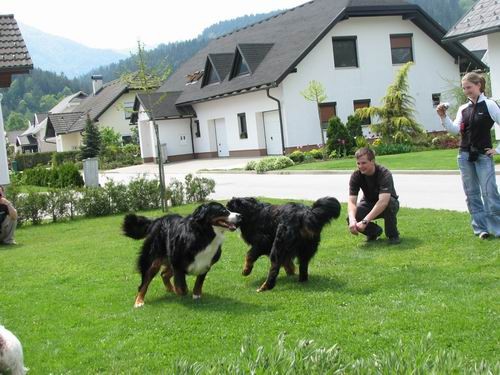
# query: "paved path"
438,191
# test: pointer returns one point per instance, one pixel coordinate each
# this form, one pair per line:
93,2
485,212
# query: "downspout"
281,119
192,139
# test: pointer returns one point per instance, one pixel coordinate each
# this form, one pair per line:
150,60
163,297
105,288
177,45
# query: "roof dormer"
247,57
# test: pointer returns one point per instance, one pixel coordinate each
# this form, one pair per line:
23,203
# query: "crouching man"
8,220
379,201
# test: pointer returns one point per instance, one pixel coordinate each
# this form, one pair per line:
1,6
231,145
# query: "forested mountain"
39,91
61,55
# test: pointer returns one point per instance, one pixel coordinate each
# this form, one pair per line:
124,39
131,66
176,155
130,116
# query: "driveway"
415,190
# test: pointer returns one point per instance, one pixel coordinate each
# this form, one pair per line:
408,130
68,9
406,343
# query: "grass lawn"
424,160
67,291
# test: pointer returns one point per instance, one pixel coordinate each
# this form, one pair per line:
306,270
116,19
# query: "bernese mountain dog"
282,232
181,245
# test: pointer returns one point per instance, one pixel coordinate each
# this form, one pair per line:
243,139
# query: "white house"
34,138
482,19
243,89
109,106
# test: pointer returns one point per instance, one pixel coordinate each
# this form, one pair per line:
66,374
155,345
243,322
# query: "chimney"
96,83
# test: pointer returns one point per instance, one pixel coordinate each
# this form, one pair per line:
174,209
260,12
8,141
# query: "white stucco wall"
252,104
68,142
175,133
433,68
114,116
494,63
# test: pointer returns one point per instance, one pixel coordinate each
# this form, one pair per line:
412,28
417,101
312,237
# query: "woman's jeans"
481,191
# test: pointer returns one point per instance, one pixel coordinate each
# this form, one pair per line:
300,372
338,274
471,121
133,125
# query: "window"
326,112
210,74
363,104
240,68
436,99
126,139
197,129
128,108
401,48
344,52
242,122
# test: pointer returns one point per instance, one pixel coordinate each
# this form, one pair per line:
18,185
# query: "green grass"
424,160
67,291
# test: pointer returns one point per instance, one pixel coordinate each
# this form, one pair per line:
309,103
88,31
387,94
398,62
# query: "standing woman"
474,122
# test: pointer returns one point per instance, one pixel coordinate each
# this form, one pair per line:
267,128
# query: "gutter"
281,119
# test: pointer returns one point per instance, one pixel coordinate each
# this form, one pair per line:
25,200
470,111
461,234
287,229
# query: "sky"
119,24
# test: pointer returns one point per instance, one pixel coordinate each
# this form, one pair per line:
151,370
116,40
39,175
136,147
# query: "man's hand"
491,151
361,227
353,227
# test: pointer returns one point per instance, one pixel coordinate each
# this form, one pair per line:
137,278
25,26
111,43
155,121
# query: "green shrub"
251,165
273,163
316,153
118,196
59,158
339,139
144,194
198,188
354,126
26,161
175,192
392,148
297,156
94,202
32,207
56,204
66,175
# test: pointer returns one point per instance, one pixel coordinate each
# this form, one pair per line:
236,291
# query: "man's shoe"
394,240
484,235
374,237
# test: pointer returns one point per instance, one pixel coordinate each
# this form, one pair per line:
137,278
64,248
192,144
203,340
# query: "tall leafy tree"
91,144
396,114
16,121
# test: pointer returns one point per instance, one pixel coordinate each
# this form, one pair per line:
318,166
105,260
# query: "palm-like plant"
396,115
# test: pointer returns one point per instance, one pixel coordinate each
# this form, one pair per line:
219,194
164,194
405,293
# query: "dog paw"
196,296
263,288
138,304
246,271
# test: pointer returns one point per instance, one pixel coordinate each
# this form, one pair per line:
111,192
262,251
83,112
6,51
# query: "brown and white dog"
11,353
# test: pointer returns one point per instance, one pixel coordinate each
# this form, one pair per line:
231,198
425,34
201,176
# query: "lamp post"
4,166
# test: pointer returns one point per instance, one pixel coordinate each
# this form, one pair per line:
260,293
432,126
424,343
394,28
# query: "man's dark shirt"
379,183
4,212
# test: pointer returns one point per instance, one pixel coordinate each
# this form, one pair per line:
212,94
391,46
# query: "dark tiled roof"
482,18
292,33
62,122
26,140
93,106
41,116
14,56
163,106
12,136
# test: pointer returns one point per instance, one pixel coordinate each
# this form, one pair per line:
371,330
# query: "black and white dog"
181,245
11,353
283,233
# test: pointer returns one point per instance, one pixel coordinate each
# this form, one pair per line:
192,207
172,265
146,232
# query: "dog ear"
200,213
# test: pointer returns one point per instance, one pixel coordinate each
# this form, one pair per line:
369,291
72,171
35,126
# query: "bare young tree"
315,92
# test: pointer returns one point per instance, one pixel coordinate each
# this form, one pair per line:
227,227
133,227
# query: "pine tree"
91,144
397,122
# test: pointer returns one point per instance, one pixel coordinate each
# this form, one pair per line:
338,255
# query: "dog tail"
324,210
136,227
